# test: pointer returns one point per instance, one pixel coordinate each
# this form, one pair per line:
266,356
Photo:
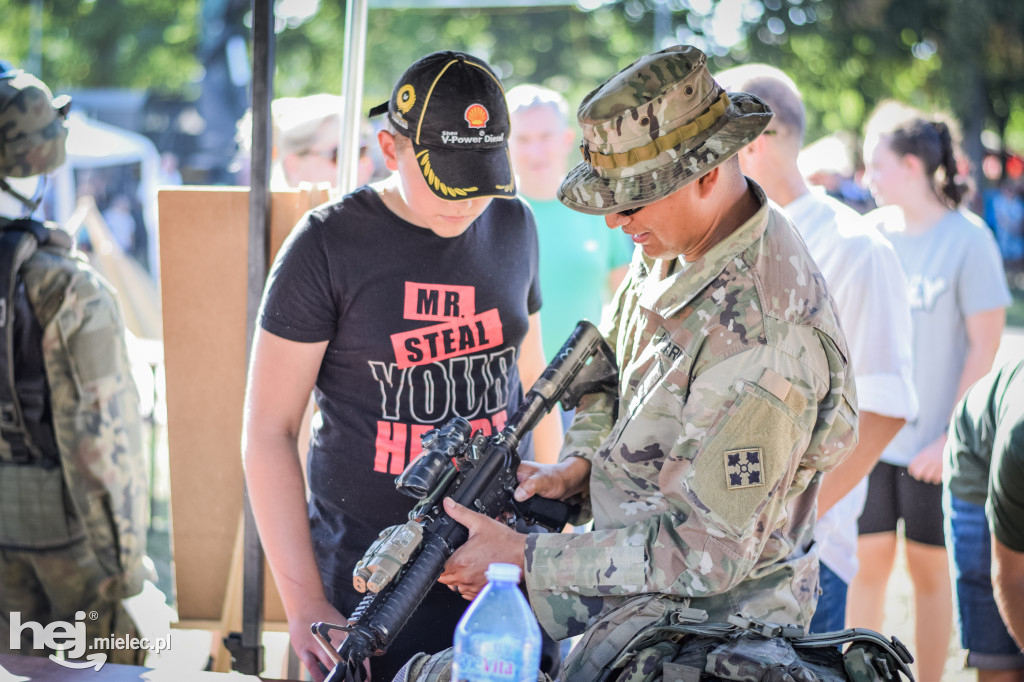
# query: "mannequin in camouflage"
73,496
734,392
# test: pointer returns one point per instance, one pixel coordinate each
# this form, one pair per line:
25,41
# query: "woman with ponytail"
958,296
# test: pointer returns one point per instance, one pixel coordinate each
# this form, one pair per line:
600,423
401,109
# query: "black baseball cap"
452,107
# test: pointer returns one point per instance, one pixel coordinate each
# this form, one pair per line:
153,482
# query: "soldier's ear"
705,184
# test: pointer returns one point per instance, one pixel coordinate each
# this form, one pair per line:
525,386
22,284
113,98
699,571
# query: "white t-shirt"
953,271
864,277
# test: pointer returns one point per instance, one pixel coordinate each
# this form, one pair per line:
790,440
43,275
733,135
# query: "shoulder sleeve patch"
737,475
743,468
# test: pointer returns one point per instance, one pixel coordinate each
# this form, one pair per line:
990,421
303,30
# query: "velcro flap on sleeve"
742,465
586,568
782,388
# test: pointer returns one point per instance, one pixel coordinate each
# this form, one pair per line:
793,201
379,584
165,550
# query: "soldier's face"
667,228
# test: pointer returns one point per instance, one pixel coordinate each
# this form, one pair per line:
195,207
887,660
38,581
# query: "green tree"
965,57
148,44
562,47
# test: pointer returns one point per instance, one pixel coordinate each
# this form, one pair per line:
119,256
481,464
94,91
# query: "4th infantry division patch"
743,468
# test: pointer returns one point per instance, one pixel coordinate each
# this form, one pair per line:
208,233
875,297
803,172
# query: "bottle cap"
503,572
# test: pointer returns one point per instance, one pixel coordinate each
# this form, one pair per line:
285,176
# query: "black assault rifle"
476,471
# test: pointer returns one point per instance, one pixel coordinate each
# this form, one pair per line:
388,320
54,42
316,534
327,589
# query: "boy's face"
421,206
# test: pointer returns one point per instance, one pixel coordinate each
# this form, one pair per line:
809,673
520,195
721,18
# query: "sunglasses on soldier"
625,213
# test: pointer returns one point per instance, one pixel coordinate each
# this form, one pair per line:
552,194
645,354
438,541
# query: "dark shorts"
893,494
983,635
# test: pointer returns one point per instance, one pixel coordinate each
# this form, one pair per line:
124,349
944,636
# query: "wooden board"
203,265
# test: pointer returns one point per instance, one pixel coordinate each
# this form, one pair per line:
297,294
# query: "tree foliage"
562,47
964,56
145,44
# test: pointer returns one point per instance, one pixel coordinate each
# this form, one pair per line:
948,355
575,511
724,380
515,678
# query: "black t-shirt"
421,328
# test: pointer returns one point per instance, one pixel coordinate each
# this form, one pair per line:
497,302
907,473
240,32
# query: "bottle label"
477,668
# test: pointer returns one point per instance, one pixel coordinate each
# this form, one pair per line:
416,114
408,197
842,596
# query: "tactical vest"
26,425
72,466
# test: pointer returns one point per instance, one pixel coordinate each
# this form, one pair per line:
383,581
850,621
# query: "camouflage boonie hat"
32,130
654,127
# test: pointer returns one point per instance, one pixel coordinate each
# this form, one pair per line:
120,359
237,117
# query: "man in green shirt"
984,508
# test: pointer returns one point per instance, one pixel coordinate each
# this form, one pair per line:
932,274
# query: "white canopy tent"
93,144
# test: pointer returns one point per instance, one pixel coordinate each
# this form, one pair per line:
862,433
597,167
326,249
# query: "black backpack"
25,421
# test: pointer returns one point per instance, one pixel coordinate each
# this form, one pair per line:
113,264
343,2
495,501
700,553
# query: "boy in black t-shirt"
400,305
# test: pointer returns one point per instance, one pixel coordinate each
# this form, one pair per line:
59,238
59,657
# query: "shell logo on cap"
476,115
406,99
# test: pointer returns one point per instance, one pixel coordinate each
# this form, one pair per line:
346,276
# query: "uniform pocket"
592,567
35,511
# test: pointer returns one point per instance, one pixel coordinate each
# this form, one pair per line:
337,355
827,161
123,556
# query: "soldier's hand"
553,481
489,541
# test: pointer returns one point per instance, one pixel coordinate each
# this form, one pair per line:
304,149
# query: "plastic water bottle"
498,637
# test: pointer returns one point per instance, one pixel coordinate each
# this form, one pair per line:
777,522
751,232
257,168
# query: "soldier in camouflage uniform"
73,496
735,393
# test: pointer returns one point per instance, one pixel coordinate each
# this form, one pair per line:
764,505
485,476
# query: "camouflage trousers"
53,585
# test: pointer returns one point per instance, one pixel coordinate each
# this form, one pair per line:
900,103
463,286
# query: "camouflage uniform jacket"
99,492
735,394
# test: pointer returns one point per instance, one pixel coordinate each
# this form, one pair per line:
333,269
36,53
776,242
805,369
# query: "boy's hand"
489,541
553,481
317,661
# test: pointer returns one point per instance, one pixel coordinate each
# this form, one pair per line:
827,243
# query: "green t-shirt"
577,251
985,451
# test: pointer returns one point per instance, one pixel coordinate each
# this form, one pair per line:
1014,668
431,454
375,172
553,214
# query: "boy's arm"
879,334
984,331
281,378
547,436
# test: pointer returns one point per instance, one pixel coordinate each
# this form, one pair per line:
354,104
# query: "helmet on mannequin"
32,130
